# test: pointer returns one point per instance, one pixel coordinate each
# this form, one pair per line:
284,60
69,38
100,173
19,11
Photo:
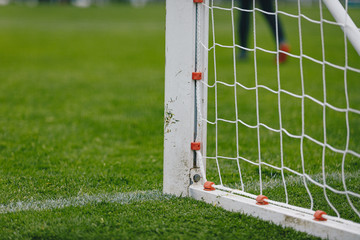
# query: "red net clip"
196,75
208,186
195,146
198,1
318,215
261,200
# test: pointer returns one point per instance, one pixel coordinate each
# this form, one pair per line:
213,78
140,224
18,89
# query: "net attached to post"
288,129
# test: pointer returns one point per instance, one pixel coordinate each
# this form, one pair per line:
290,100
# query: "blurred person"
138,3
244,25
4,2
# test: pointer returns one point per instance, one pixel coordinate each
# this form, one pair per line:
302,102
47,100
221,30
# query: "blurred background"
79,3
135,3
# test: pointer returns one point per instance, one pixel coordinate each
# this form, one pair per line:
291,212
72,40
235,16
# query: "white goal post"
349,27
186,109
180,100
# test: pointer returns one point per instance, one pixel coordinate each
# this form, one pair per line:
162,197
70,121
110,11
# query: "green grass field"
81,124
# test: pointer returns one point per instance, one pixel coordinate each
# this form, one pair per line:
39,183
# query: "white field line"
121,198
276,181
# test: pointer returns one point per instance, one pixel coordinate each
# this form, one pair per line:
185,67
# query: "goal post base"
285,217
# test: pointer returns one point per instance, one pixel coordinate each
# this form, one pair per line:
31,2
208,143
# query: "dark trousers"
244,23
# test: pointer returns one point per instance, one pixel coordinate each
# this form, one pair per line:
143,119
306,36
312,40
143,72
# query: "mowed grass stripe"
81,107
121,198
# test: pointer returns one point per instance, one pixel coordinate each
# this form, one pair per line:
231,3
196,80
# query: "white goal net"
279,104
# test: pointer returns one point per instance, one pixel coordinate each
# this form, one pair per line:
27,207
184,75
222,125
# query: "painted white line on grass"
334,178
122,198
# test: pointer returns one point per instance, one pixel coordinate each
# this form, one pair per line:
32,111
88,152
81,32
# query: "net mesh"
287,129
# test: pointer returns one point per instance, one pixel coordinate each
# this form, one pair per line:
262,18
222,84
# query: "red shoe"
285,48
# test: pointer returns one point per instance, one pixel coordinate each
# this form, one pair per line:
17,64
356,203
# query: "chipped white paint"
179,99
180,94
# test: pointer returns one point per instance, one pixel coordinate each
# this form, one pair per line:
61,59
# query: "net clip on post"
320,215
196,75
195,146
261,200
208,186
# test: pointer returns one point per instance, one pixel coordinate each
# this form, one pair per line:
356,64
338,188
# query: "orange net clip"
196,75
318,215
208,186
260,200
195,146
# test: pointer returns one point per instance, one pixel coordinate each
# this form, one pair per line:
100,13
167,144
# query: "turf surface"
81,114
